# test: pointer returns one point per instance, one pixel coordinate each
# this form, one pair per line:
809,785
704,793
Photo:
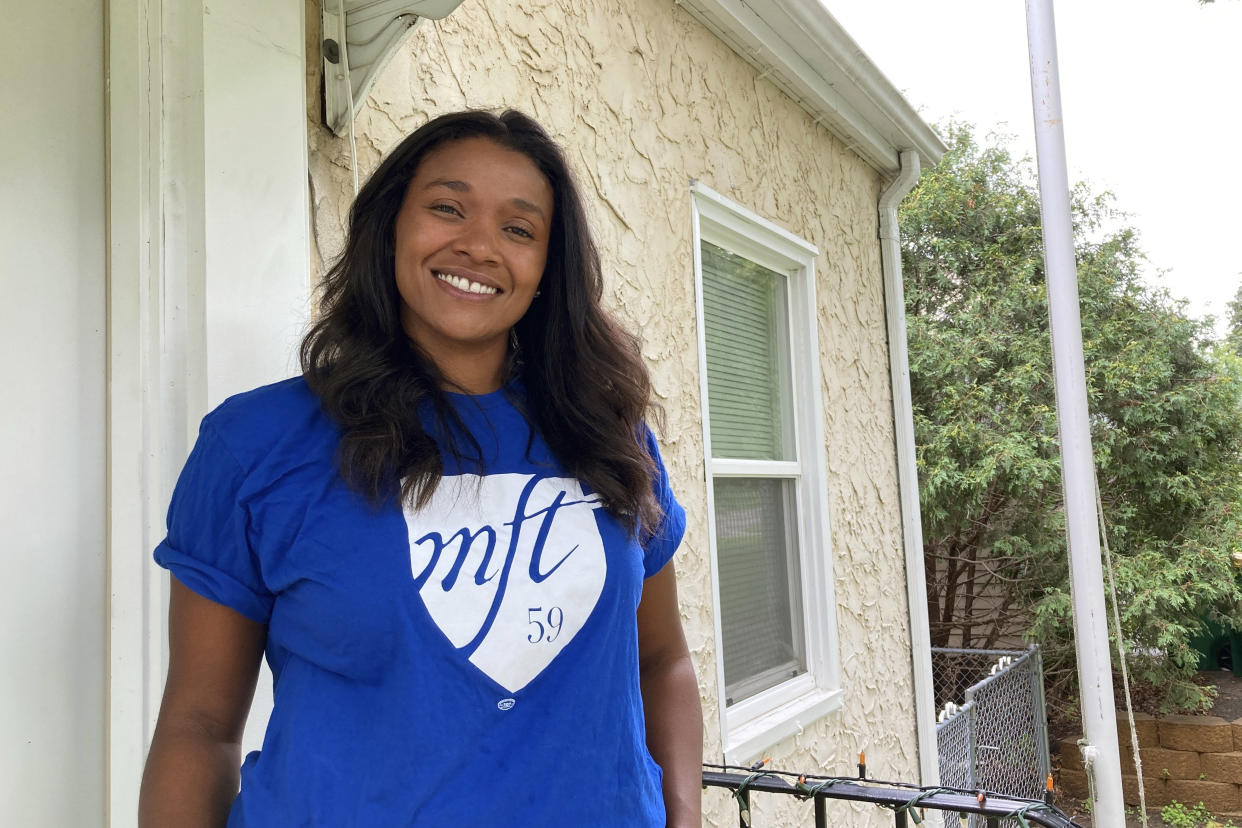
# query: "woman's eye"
446,208
521,231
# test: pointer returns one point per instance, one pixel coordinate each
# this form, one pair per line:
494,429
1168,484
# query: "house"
743,162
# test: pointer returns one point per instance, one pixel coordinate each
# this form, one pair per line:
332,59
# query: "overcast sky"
1151,94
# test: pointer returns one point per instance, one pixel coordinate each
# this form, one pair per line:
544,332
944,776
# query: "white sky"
1151,93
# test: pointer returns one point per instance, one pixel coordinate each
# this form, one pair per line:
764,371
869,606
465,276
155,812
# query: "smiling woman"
451,536
471,243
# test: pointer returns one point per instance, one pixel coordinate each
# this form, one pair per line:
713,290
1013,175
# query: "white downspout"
907,475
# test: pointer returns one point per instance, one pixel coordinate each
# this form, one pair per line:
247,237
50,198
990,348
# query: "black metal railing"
906,801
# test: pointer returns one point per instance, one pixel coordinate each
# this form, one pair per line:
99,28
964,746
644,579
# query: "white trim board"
138,425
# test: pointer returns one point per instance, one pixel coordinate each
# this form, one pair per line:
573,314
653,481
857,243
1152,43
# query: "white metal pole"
1100,754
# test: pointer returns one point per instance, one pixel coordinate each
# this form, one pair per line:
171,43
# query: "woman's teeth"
465,284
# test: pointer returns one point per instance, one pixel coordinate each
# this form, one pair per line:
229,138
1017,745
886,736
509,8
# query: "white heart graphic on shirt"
509,567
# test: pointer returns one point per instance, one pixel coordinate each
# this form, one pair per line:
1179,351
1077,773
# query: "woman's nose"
478,241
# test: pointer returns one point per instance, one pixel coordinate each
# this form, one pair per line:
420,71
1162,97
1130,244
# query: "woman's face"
470,247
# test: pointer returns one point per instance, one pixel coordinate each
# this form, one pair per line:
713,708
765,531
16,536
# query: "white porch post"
208,287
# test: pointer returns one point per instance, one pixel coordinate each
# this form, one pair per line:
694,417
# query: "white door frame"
208,286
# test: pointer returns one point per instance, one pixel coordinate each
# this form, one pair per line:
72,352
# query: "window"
763,433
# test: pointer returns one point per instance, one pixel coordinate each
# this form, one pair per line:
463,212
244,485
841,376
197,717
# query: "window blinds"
743,308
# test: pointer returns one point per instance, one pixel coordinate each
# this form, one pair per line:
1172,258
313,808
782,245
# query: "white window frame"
756,723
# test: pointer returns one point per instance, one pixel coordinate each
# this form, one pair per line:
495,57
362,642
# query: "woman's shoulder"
252,423
273,403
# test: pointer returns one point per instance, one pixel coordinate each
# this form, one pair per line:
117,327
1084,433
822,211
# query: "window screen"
759,578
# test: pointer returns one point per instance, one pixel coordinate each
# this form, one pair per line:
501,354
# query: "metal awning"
359,37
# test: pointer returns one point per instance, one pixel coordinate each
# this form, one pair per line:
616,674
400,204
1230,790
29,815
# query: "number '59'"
547,625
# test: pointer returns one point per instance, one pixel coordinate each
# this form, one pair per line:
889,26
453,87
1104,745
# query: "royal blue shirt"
473,662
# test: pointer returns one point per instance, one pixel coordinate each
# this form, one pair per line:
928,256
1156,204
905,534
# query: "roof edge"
805,52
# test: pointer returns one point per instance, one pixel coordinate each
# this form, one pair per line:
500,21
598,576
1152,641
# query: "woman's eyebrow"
526,206
452,184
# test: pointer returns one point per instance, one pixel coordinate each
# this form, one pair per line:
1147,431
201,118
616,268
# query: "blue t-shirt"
474,662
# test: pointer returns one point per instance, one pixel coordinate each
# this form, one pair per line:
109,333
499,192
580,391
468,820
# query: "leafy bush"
1177,815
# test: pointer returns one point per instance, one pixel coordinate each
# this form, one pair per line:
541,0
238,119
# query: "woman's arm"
671,699
191,776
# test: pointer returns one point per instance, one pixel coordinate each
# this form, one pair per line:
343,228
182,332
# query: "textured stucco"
646,99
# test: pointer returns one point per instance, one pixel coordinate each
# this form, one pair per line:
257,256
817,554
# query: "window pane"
760,584
744,309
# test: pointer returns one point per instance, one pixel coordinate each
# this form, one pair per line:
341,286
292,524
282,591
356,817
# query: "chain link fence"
992,729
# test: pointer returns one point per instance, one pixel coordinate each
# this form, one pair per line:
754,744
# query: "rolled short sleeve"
207,547
663,542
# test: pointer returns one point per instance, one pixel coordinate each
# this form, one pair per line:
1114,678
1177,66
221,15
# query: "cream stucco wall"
646,99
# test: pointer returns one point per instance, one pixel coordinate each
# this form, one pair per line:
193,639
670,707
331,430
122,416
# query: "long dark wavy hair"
587,390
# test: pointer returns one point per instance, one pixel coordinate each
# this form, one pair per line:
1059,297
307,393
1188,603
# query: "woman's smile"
466,284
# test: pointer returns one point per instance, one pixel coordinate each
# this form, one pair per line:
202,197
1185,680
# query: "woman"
451,536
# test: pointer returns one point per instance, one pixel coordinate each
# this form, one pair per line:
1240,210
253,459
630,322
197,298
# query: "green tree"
1166,416
1234,337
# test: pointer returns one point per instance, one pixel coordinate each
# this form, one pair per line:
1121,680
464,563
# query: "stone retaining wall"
1189,759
